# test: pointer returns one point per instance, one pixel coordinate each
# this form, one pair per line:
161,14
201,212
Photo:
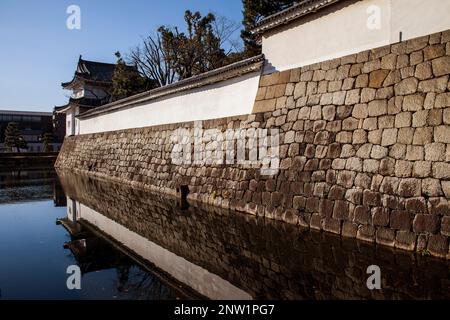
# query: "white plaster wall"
228,98
345,31
70,121
74,127
416,18
198,278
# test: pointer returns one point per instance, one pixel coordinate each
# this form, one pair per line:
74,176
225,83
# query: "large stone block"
385,93
434,85
429,223
362,215
359,136
415,58
389,185
441,66
379,152
438,245
331,225
414,153
442,134
354,164
366,233
360,111
423,136
371,198
387,166
374,136
339,97
413,102
405,240
403,119
352,96
442,100
340,210
389,137
354,196
350,124
424,71
431,187
445,226
435,152
419,118
371,165
349,229
434,51
385,122
377,77
438,206
441,170
435,117
329,112
380,216
362,81
410,187
300,90
377,108
397,151
421,169
264,106
416,44
385,237
405,135
393,77
367,95
446,188
389,61
406,86
446,116
346,178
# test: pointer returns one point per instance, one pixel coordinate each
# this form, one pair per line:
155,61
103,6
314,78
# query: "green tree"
47,139
127,81
196,51
14,138
254,11
172,55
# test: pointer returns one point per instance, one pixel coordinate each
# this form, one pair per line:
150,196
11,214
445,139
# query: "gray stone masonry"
364,149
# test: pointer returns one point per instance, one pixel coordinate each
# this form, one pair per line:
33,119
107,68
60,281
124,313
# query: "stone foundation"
364,149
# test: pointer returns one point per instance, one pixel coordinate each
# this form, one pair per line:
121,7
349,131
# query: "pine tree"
195,51
13,137
254,11
127,81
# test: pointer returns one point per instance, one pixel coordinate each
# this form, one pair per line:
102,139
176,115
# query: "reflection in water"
223,254
30,184
94,253
33,261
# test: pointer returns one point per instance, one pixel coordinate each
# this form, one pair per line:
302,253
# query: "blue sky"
38,52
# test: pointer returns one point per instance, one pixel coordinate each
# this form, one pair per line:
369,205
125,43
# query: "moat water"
130,243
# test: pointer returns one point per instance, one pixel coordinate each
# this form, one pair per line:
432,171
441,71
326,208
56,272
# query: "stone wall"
265,258
364,148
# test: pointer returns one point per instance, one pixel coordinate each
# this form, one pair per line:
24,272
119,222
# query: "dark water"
33,259
133,244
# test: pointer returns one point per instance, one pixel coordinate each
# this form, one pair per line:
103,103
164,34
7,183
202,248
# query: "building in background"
91,87
32,125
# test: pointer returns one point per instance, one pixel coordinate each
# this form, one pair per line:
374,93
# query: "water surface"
133,244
